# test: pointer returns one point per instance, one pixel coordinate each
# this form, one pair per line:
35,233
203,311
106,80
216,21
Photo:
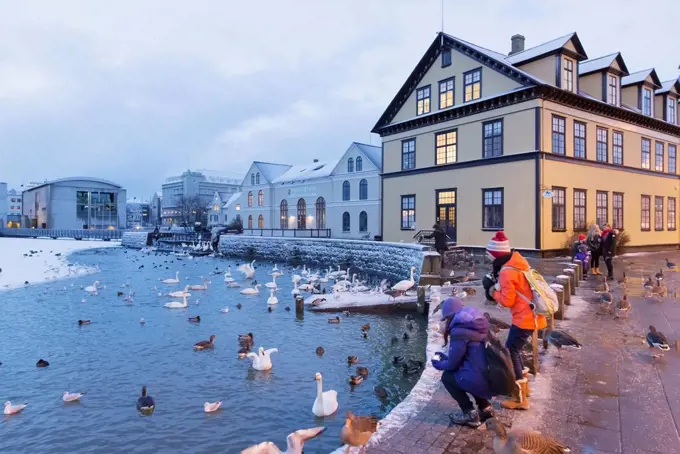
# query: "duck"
469,291
272,299
210,407
295,443
239,306
248,270
320,351
355,380
271,284
42,363
364,334
318,301
246,340
358,430
335,320
622,306
363,371
71,397
366,327
92,289
204,345
405,336
411,367
648,283
657,339
142,321
394,340
326,402
403,286
13,409
670,265
658,289
397,360
119,293
603,287
262,360
519,440
251,291
204,286
145,403
352,359
84,322
196,319
606,300
171,280
287,309
559,339
177,304
180,293
381,392
269,309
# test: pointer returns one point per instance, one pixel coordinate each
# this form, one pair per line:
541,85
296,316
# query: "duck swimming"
246,340
355,380
203,345
335,320
196,319
363,371
352,360
320,351
84,322
42,363
145,404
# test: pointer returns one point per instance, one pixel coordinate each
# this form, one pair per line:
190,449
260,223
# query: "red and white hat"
499,245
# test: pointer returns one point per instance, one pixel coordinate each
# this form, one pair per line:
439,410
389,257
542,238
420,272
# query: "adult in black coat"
440,241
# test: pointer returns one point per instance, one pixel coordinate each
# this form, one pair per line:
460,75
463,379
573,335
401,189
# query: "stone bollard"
565,282
422,305
299,305
578,267
572,276
559,291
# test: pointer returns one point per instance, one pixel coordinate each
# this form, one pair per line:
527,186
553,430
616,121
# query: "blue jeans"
517,338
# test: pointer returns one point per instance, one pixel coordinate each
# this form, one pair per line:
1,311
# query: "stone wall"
136,240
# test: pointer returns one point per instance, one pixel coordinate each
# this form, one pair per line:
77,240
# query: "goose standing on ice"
252,290
92,289
262,359
295,442
403,286
13,409
172,281
272,299
177,304
326,402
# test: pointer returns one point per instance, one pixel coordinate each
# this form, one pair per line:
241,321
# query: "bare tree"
191,209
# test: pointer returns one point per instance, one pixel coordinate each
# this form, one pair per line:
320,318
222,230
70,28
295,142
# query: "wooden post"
578,266
534,349
572,276
559,291
565,281
299,305
421,304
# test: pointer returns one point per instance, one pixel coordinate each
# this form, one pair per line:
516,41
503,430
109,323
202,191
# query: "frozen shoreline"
45,266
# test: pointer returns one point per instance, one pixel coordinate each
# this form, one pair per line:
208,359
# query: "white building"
3,205
342,195
223,209
137,214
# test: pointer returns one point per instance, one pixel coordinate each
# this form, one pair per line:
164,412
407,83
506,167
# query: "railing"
419,237
293,233
78,234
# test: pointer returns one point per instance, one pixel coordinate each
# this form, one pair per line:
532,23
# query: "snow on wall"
135,240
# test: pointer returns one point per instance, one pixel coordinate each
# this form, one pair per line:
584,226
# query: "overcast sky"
137,90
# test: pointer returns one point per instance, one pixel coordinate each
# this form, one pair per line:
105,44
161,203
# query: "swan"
210,407
227,275
326,403
275,271
180,293
262,360
251,290
295,441
271,284
248,270
225,310
296,278
295,290
199,286
305,271
272,299
233,284
13,409
92,289
177,304
71,397
172,281
407,284
305,287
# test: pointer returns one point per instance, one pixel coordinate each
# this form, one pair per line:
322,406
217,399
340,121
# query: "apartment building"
540,143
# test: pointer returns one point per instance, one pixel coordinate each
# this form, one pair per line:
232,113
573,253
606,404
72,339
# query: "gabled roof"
551,47
234,197
372,152
602,64
270,170
668,85
307,172
640,76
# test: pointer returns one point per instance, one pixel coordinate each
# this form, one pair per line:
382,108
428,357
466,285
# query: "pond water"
115,355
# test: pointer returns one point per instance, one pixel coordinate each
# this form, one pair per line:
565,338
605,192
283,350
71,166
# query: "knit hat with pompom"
499,245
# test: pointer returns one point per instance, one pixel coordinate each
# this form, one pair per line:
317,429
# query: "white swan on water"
227,275
275,271
92,289
251,291
271,284
407,284
199,286
262,359
295,290
272,299
172,281
326,403
295,443
177,304
180,293
248,269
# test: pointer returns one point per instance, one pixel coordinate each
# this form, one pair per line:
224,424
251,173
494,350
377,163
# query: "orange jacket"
513,282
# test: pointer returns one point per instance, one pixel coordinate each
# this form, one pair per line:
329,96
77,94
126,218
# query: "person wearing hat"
508,287
465,329
580,253
440,241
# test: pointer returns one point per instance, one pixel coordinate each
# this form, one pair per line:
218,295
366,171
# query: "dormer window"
647,102
613,90
671,110
568,75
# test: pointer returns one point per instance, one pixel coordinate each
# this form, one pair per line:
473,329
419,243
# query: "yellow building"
539,143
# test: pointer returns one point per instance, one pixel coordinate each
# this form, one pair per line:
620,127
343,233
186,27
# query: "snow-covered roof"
307,171
640,76
601,63
72,179
372,152
667,86
232,199
545,48
270,171
216,176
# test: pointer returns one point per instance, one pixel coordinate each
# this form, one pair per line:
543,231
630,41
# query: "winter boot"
518,400
525,375
470,418
485,413
596,270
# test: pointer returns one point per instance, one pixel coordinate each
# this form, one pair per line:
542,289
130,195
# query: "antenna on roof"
442,21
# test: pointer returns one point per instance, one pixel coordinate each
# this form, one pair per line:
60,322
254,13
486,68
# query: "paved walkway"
609,397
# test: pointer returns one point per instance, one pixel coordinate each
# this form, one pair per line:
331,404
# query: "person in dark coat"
609,238
465,331
440,242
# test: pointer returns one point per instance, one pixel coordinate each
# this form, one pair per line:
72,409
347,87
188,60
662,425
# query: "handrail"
78,234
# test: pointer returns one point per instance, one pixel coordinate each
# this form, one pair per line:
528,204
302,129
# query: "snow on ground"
19,265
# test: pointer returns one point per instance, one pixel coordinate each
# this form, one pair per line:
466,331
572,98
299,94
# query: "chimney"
315,161
517,44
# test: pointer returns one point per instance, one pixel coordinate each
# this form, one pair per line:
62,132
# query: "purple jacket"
466,357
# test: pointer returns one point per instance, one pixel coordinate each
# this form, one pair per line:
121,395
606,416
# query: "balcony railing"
291,233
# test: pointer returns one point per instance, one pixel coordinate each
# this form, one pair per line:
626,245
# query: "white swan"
272,299
262,360
180,293
92,289
295,441
172,281
251,290
248,269
71,397
305,287
407,284
296,278
177,304
225,310
326,403
227,276
275,271
210,407
304,271
233,284
271,284
295,290
13,409
199,286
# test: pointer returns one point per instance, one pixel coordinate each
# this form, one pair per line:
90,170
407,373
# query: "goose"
670,265
622,306
225,310
180,293
272,299
412,367
13,409
657,339
520,440
71,397
355,380
403,286
242,352
271,284
248,270
320,351
199,286
623,281
203,345
296,290
358,430
559,339
252,290
210,407
295,442
335,320
172,281
92,289
145,404
326,402
177,304
262,360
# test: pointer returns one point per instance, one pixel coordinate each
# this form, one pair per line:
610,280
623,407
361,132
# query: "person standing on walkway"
465,329
580,253
609,238
594,242
509,287
440,242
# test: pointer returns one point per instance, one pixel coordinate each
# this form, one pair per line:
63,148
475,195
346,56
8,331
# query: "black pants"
595,259
517,338
441,253
449,381
610,267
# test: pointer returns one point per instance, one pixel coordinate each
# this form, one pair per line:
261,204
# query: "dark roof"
639,77
551,47
668,85
602,64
